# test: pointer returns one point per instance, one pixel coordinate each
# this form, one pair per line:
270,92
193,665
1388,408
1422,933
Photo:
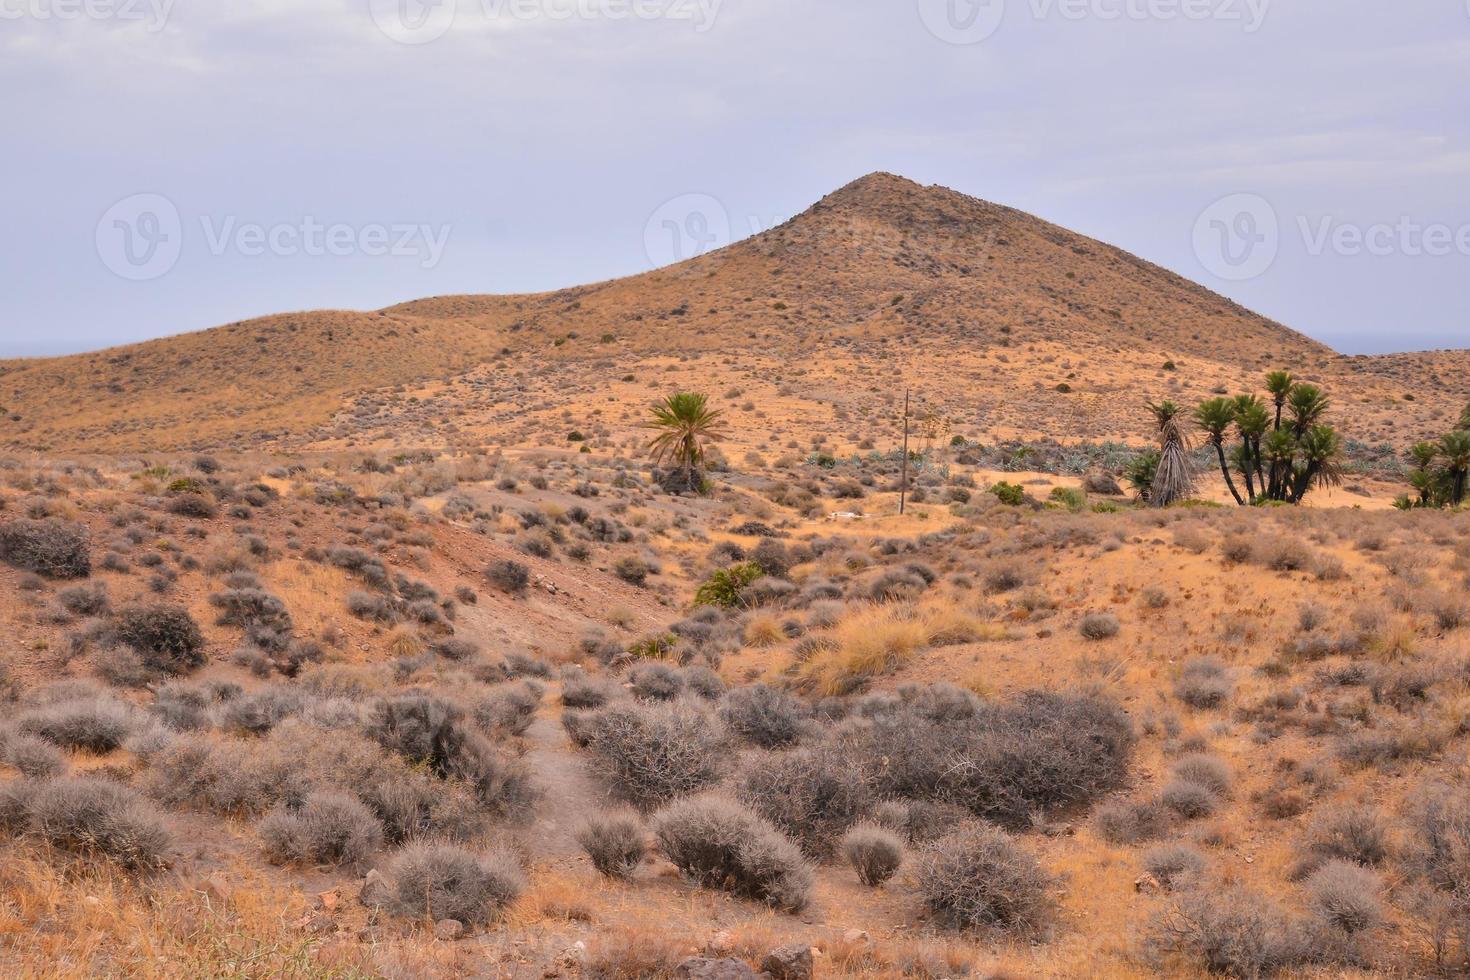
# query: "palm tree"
1321,461
1140,473
1280,451
1252,420
1454,452
685,424
1174,478
1464,425
1308,404
1279,384
1422,478
1216,416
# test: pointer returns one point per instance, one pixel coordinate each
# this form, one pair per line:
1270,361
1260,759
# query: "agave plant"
685,425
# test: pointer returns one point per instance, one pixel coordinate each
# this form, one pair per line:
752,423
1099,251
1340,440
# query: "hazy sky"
170,165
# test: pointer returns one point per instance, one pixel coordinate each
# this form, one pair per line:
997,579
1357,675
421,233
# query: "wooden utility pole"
903,483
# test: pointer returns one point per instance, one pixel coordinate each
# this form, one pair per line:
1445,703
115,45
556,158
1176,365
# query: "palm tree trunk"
1250,484
1225,469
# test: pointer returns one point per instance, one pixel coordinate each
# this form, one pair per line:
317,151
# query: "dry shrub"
1174,865
166,637
814,793
52,547
615,842
440,881
1204,682
96,817
1133,822
330,828
764,716
95,724
652,753
879,639
874,852
1344,896
978,877
1231,932
720,844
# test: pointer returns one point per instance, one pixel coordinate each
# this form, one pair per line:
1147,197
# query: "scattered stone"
857,937
1102,483
1147,885
792,962
703,968
448,930
720,944
327,901
374,889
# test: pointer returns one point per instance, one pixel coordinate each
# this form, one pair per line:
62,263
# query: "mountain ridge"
880,261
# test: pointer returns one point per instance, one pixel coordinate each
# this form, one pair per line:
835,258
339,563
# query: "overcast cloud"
171,165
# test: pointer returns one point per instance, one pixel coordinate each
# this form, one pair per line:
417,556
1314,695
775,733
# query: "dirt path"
571,794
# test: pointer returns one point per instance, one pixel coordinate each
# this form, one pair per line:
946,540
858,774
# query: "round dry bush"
1132,821
654,681
415,806
1189,800
440,881
166,637
652,753
720,844
508,576
94,724
94,817
53,548
15,806
874,853
764,716
978,877
1233,933
814,793
331,828
1174,865
509,709
1099,626
1208,771
1345,896
616,843
33,757
582,691
1204,682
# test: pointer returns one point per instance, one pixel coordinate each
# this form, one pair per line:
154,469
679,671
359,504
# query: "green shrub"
1009,493
723,588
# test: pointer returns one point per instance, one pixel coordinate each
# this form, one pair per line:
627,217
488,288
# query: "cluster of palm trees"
1282,448
1441,473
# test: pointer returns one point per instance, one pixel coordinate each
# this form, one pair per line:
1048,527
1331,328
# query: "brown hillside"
984,309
